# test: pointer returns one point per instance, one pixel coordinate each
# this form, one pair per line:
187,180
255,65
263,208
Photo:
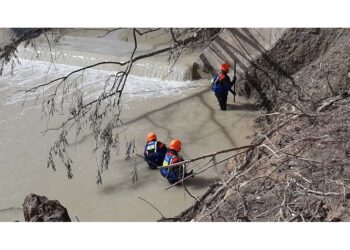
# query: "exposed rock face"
40,209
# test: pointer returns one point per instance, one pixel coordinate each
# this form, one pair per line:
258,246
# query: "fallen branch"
302,177
280,150
318,192
192,175
264,145
212,155
266,212
163,217
329,102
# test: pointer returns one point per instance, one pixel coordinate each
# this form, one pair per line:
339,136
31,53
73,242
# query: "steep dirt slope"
305,67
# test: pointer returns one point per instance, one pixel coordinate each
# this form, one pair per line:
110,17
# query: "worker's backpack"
216,85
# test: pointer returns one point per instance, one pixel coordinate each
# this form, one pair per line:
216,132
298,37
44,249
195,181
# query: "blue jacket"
154,153
221,84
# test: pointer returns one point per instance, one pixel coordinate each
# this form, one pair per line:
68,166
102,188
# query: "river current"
170,108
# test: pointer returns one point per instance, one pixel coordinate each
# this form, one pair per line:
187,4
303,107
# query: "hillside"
301,169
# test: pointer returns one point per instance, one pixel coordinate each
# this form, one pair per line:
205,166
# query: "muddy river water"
172,109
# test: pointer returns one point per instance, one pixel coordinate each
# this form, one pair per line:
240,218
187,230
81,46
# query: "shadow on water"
125,185
217,122
199,182
110,189
175,104
145,176
166,107
243,106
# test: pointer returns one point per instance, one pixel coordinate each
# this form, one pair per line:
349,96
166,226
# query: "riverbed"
186,110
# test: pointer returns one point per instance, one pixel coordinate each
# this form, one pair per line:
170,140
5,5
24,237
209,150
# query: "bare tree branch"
213,154
163,217
101,114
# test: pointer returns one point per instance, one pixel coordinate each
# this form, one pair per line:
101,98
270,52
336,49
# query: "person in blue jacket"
221,85
176,173
155,151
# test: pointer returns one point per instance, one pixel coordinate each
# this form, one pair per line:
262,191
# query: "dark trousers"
222,99
154,160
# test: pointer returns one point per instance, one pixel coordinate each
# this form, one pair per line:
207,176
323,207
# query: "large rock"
40,209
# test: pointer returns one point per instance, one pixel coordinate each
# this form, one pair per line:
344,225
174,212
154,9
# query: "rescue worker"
221,85
173,174
154,151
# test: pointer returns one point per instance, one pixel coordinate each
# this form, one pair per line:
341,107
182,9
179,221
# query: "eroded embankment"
301,169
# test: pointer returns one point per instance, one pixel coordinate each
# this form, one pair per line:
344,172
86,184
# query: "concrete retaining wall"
5,36
240,44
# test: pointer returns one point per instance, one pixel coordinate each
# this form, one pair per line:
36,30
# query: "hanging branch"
133,175
101,114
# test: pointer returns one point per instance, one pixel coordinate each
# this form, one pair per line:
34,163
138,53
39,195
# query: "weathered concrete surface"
240,44
40,209
5,36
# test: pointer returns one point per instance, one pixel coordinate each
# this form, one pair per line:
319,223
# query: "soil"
300,170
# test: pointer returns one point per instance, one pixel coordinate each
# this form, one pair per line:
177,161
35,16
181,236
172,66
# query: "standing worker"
221,85
173,174
154,151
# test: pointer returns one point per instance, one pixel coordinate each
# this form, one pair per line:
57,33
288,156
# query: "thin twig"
192,195
318,192
264,145
163,217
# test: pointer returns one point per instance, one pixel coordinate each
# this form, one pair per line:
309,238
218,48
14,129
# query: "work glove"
234,80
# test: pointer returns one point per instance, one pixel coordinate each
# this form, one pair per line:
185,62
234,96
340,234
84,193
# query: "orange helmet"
176,145
225,67
151,137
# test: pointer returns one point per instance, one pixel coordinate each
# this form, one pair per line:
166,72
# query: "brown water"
184,110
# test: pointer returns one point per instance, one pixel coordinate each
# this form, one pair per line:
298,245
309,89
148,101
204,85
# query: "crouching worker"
173,174
154,151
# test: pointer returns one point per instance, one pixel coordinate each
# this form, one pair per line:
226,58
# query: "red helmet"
175,145
151,137
225,67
